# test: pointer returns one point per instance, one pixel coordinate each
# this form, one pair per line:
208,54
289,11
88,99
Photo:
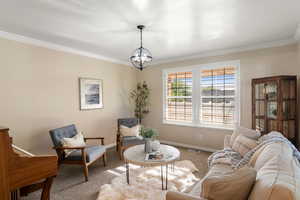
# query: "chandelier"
141,57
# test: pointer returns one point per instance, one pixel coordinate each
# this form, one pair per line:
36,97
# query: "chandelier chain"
141,31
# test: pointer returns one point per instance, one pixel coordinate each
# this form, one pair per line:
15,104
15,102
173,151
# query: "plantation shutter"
217,100
179,97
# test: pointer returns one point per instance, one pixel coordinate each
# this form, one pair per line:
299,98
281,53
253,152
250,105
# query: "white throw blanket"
230,157
145,183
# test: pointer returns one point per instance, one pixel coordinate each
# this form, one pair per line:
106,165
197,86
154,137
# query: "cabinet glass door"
288,108
260,107
272,105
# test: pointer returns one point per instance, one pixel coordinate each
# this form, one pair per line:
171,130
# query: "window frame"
196,93
178,97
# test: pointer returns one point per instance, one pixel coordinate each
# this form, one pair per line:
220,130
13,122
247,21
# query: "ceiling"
174,29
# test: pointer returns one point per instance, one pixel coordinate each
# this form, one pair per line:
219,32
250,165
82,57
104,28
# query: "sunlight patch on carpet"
145,183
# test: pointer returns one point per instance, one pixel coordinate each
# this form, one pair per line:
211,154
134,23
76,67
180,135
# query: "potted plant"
148,134
140,96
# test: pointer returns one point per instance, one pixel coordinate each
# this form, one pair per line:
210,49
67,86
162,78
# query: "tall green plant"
140,96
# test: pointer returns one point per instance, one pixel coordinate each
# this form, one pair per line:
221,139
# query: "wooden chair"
124,142
84,156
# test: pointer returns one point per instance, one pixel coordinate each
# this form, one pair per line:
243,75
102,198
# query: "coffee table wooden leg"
127,172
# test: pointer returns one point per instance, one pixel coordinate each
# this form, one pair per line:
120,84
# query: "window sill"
176,123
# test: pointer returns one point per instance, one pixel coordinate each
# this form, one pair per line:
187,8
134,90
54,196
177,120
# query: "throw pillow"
250,133
234,185
76,141
133,131
243,144
239,130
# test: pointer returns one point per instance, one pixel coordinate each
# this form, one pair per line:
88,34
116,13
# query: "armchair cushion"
64,132
92,153
133,131
128,122
76,141
131,140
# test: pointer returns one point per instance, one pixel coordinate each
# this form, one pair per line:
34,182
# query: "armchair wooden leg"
86,172
104,159
117,146
85,166
46,189
121,153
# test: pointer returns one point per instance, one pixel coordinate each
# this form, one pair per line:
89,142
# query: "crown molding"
57,47
229,51
297,34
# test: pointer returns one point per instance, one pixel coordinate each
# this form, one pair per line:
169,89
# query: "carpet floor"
70,184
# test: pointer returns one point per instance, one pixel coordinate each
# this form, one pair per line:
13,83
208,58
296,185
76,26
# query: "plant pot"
148,148
155,145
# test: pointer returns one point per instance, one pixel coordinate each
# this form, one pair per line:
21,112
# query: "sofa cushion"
227,141
171,195
239,130
218,169
235,185
92,153
278,174
243,144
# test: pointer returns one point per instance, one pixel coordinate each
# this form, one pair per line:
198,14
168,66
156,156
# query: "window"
179,96
206,95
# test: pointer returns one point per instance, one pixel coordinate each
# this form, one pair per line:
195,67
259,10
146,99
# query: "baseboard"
188,146
175,144
108,146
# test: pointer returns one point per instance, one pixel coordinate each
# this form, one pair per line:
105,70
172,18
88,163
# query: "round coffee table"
136,155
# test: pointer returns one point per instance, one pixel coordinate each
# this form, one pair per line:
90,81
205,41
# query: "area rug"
145,183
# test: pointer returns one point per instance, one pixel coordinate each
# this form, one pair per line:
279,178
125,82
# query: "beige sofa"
278,175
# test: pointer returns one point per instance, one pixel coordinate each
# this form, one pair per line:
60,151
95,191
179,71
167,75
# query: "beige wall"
40,91
254,64
299,53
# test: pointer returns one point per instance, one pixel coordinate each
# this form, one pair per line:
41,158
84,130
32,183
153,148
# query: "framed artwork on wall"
91,93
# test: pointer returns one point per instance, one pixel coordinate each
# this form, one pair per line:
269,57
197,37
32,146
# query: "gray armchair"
84,156
124,142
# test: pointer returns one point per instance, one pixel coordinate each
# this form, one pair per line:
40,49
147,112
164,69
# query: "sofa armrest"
181,196
227,141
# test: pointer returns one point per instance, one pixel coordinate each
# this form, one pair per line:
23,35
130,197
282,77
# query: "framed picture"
91,93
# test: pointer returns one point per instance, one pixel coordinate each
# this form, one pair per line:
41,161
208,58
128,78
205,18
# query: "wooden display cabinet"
274,106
